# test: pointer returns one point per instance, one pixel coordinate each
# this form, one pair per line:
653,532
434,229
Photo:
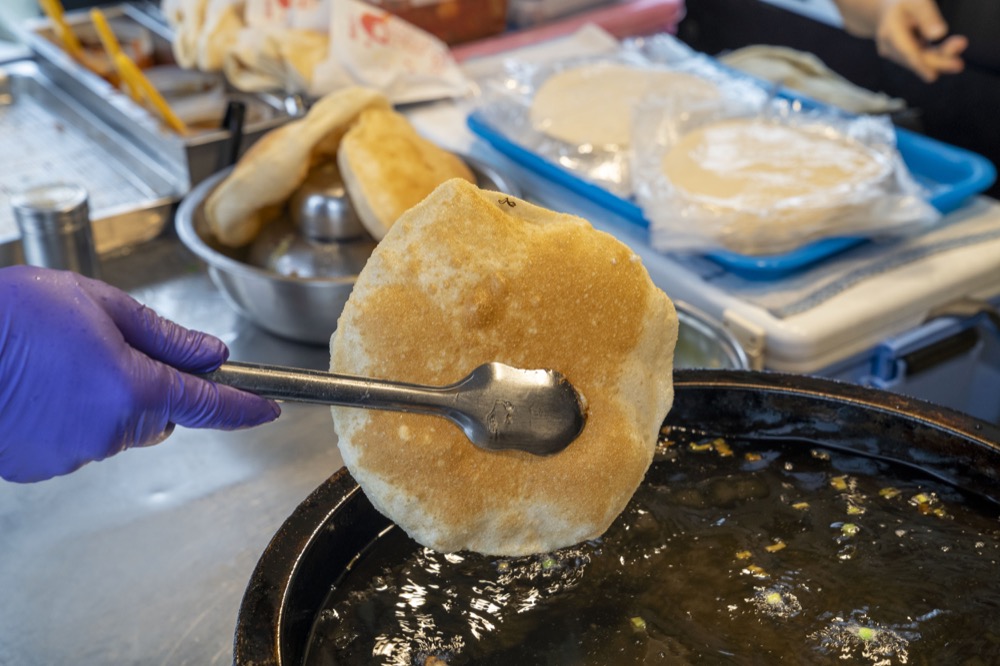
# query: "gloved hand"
86,371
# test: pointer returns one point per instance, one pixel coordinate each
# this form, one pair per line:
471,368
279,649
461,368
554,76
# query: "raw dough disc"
755,163
592,104
771,187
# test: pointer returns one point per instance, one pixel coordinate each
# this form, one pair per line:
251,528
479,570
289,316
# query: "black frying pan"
336,522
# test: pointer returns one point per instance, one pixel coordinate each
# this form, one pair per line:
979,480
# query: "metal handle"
496,406
233,122
300,385
950,330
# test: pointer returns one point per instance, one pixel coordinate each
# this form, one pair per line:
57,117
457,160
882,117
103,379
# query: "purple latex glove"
86,371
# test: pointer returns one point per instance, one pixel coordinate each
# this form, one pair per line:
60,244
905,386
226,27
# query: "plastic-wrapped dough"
770,182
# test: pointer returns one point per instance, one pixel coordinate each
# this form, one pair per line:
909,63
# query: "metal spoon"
497,406
321,236
321,209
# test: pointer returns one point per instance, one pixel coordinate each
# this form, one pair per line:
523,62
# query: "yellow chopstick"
54,10
112,47
130,72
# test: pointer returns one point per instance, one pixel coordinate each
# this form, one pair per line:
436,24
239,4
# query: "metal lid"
51,208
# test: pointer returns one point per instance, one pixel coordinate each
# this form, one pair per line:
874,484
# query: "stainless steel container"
48,136
192,157
304,309
54,221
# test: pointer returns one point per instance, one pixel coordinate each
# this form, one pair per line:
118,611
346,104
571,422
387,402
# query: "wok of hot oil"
730,552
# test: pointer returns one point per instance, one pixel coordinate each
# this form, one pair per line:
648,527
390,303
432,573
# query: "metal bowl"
299,309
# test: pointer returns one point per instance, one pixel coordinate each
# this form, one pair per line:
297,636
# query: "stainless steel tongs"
497,406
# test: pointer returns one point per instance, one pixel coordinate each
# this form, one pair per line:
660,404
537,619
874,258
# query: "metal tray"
47,137
193,157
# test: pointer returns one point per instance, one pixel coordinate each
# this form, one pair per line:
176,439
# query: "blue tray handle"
951,173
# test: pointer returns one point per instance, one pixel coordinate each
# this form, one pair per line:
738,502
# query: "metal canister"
54,221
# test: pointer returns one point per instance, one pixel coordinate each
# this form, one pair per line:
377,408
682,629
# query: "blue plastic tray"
950,174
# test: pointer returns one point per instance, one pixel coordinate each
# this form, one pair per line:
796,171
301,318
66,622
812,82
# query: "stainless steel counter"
143,558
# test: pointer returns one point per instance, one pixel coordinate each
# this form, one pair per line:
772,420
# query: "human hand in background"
86,372
911,33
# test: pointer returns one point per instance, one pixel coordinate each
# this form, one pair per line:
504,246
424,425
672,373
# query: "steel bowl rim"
700,321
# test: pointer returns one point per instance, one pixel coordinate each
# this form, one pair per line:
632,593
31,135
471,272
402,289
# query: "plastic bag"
297,15
508,103
384,52
889,202
770,179
313,47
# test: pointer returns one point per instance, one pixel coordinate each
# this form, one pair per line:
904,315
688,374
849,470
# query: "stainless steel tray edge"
195,157
156,188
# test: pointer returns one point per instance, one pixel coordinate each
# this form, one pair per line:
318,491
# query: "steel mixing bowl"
300,309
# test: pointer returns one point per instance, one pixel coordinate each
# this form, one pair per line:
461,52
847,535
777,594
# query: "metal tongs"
497,406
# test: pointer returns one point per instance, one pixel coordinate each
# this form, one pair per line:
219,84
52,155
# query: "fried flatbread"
388,167
274,167
470,276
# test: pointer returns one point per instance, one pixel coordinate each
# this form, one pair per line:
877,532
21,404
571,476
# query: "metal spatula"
497,406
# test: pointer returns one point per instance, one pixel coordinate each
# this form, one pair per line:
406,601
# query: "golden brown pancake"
277,164
470,276
388,167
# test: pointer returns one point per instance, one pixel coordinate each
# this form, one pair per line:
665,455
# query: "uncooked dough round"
592,104
772,186
756,163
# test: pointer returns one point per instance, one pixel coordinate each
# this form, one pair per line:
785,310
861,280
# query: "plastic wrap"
507,102
890,202
771,179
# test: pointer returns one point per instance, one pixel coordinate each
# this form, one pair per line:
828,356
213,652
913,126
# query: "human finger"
156,336
897,41
926,18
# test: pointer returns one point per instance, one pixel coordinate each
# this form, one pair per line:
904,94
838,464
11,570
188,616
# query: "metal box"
47,136
193,157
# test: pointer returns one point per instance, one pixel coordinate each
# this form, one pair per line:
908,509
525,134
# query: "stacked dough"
593,104
467,277
768,186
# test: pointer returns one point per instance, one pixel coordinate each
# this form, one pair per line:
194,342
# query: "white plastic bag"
313,47
295,14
